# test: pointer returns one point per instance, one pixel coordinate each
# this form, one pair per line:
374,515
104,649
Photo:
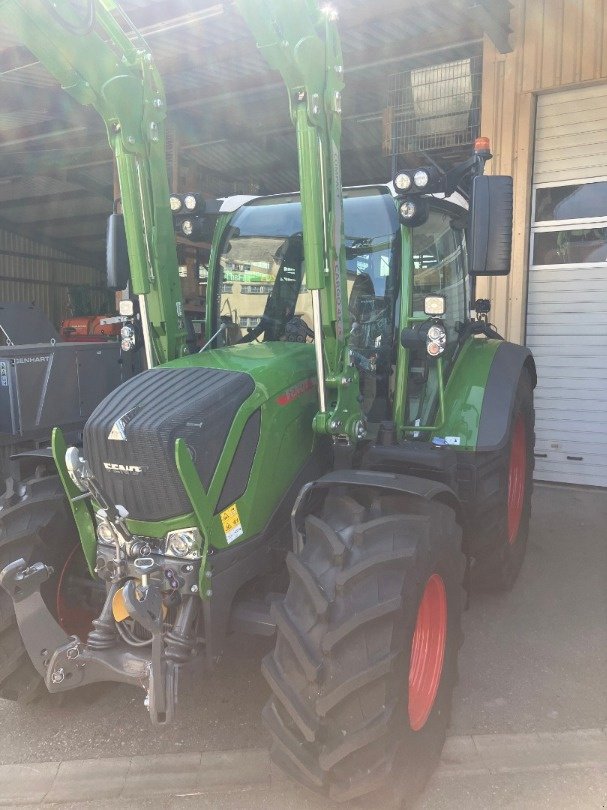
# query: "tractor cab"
257,288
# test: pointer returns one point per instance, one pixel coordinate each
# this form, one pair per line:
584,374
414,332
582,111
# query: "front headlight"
75,467
414,211
106,533
183,543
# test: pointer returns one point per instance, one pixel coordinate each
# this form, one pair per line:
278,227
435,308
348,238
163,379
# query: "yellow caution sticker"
230,520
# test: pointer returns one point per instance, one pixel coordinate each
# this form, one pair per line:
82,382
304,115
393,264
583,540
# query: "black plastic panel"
240,469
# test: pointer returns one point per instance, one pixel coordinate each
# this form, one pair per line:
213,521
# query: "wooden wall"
556,44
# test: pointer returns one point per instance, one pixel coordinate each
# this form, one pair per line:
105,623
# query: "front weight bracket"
39,631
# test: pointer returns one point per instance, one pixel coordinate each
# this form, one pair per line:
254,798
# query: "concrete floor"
533,660
582,789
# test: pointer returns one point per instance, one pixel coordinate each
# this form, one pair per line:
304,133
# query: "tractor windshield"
260,286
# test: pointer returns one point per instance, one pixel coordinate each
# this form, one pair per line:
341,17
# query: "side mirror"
118,272
490,233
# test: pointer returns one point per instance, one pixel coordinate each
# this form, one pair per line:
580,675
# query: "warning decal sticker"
230,520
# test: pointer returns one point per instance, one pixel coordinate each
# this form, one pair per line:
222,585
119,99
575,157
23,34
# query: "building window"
571,202
248,321
569,223
571,246
256,289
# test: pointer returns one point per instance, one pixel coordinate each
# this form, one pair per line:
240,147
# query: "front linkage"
160,594
65,662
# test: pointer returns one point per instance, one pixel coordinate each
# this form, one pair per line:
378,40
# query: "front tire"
367,642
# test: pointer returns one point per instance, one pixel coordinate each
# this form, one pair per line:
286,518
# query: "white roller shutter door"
567,298
571,135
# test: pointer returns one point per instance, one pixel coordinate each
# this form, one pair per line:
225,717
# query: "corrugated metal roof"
228,109
29,187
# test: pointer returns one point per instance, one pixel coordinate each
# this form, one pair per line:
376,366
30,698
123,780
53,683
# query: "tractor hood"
129,440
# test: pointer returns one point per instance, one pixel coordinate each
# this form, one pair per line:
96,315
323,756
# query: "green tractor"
365,444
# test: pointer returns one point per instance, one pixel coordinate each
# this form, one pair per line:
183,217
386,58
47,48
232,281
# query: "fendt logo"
124,469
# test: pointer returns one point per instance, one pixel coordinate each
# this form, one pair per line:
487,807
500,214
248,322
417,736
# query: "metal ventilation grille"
433,108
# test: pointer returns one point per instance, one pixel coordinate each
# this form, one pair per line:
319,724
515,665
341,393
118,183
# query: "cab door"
439,267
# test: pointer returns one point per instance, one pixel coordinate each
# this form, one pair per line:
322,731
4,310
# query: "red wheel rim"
516,479
427,652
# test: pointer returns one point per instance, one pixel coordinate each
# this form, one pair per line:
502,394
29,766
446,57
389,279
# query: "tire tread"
332,722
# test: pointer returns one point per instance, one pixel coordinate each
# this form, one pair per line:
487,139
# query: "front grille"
159,406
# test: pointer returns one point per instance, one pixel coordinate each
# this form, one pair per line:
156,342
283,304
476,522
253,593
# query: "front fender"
500,391
389,482
480,392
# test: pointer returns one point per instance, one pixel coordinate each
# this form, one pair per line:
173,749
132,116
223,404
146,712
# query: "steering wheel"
297,330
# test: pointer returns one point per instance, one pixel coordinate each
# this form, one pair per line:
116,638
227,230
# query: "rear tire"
498,565
36,524
357,706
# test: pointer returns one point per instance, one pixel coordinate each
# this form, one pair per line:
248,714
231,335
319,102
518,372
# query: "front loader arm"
301,41
102,66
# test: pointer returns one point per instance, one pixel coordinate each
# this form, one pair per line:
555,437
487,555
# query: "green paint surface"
82,510
465,391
